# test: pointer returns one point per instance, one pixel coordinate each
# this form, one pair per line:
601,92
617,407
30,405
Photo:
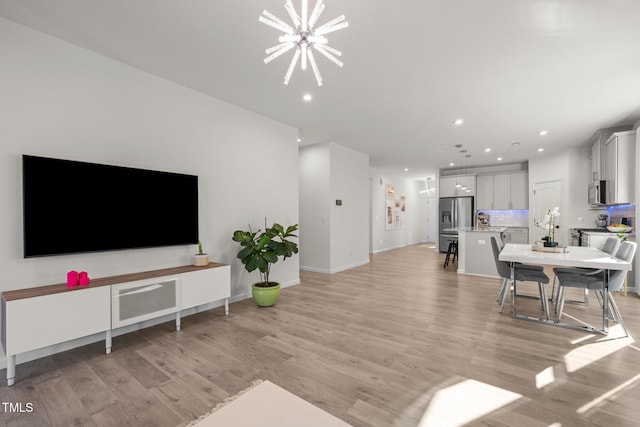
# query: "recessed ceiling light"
406,169
543,132
487,150
307,97
458,122
299,140
499,159
451,164
540,150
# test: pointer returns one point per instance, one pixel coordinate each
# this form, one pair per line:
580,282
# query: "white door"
546,196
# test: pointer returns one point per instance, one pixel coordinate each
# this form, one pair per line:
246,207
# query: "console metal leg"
226,306
11,370
177,321
107,342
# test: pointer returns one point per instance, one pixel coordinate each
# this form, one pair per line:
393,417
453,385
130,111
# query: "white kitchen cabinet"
503,191
619,167
484,193
596,160
520,190
447,186
598,142
516,235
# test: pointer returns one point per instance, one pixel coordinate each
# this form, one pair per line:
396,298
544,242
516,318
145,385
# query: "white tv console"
38,317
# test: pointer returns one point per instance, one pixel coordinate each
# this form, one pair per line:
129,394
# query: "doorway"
546,196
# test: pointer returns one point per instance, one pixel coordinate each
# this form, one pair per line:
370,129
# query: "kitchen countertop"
479,229
607,233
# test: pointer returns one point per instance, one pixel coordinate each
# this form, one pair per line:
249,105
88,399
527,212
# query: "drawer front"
135,302
33,323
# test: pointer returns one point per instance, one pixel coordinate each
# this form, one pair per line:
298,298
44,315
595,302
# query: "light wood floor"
386,344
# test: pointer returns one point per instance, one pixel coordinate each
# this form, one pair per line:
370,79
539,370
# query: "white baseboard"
335,270
419,242
390,248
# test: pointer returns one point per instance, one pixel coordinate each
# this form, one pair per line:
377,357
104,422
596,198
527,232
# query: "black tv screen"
72,207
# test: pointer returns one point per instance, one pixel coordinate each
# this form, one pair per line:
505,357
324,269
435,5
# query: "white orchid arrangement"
549,223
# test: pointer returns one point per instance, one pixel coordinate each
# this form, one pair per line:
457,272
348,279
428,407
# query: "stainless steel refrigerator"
454,213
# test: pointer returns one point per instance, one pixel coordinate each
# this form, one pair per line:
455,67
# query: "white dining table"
574,256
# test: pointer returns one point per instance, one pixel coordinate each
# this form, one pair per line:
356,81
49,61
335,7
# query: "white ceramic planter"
200,260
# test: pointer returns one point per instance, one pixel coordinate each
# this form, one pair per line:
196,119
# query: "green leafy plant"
200,251
261,249
622,237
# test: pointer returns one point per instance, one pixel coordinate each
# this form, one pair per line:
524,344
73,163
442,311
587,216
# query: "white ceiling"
510,68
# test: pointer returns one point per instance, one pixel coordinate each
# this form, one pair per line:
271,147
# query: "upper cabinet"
598,142
452,186
503,191
619,167
597,149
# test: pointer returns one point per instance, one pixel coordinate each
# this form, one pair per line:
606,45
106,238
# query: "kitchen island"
475,255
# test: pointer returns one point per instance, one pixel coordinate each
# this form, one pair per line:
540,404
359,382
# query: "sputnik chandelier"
303,37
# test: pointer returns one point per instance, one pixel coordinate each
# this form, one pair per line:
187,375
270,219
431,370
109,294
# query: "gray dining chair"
610,246
598,281
503,288
522,273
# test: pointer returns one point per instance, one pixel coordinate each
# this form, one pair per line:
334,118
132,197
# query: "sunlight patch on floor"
464,402
605,396
588,353
583,338
545,377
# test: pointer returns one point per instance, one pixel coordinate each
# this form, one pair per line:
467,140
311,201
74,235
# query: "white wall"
333,238
414,230
350,221
59,100
572,168
315,215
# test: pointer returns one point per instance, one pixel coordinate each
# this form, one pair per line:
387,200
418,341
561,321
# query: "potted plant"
549,223
260,250
200,259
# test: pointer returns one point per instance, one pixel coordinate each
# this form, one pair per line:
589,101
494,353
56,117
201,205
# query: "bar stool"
452,252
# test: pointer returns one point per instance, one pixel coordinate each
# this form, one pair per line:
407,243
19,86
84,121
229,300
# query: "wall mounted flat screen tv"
73,207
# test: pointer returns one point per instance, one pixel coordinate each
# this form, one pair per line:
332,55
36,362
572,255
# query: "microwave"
598,193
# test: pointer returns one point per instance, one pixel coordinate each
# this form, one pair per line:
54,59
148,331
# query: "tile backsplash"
628,211
507,218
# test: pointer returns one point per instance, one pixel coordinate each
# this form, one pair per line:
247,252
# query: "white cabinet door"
484,193
519,191
596,161
502,191
204,286
610,157
620,152
38,322
470,182
448,186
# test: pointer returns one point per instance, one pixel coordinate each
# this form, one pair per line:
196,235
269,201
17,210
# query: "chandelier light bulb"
302,36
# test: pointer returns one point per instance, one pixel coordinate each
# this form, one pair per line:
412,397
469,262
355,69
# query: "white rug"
267,405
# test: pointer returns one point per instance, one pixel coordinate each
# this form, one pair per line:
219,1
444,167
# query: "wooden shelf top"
103,281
